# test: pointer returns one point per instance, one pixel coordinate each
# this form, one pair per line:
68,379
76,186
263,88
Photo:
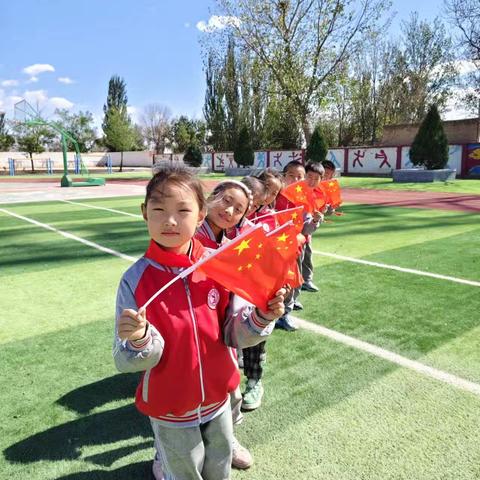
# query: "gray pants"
196,453
292,297
307,265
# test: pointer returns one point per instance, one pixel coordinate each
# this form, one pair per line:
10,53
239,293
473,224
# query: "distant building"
457,131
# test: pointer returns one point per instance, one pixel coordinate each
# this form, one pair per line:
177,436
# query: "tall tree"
120,135
6,140
116,102
232,100
465,15
80,126
156,126
300,43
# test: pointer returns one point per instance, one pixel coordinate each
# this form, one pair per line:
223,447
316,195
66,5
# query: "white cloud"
9,83
38,68
65,80
32,80
60,102
217,22
35,97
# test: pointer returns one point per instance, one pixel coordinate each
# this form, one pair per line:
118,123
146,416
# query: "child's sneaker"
286,323
309,287
297,306
252,398
157,469
241,458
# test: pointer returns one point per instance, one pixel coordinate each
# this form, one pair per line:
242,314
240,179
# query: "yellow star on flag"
298,188
243,246
294,215
282,238
257,256
249,266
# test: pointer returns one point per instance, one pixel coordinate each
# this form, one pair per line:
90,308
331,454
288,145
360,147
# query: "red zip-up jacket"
189,369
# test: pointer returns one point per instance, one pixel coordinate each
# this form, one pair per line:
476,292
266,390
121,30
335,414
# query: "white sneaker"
241,458
157,469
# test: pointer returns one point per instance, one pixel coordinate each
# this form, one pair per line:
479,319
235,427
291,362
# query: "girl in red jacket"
181,341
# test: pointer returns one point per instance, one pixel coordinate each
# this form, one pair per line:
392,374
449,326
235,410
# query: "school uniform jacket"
189,370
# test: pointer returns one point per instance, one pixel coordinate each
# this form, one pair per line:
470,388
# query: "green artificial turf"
329,411
456,186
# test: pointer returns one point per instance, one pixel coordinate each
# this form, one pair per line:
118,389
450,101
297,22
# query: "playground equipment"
26,114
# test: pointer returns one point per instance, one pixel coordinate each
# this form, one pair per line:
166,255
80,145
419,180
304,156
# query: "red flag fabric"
332,192
320,199
295,215
300,194
253,267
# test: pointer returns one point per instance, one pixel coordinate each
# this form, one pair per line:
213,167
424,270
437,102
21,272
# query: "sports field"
404,280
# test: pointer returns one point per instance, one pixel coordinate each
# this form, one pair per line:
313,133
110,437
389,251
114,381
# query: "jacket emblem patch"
213,298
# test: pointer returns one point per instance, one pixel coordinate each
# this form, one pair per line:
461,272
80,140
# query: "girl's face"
227,208
294,174
257,202
172,215
273,187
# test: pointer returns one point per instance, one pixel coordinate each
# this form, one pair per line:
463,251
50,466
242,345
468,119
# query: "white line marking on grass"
332,255
445,377
71,236
399,269
103,208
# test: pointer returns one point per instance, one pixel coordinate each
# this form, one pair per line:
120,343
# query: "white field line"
103,208
431,372
399,269
334,255
71,236
418,367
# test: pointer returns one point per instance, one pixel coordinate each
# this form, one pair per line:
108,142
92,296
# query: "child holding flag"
180,341
314,173
293,172
228,205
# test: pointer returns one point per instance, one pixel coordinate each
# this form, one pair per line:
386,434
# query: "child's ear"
201,216
144,211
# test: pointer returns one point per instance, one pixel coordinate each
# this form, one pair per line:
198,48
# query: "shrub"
243,152
193,156
317,148
430,146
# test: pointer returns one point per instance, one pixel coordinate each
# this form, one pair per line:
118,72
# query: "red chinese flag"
320,199
250,266
284,242
332,192
276,219
300,194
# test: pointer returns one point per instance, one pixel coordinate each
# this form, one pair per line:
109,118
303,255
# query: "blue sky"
73,48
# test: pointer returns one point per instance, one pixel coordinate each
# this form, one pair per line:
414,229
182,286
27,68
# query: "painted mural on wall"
372,160
336,156
454,158
472,158
278,159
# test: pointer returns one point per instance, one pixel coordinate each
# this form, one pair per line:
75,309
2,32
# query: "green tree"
214,110
430,146
193,156
116,104
80,126
33,139
243,152
299,43
317,148
6,140
232,98
120,136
